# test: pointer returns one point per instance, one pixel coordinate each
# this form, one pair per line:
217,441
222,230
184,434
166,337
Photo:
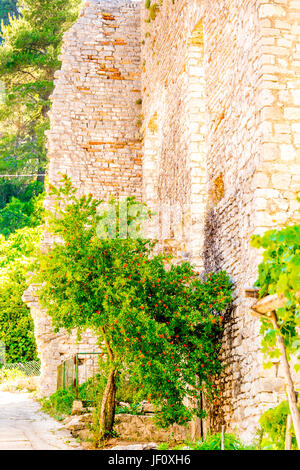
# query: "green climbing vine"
279,273
273,428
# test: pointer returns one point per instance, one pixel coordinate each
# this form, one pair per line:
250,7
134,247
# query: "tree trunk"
288,435
290,385
107,412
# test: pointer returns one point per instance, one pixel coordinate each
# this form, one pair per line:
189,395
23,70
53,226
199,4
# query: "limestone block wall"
220,107
278,176
208,136
94,136
54,348
174,177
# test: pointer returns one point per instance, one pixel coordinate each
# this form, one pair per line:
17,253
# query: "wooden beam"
252,292
269,303
267,307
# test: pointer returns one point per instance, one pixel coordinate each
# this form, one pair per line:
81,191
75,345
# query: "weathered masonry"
214,148
94,135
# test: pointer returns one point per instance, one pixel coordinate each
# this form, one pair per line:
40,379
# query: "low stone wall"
143,428
130,427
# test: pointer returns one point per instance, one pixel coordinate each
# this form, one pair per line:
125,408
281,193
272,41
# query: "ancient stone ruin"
196,111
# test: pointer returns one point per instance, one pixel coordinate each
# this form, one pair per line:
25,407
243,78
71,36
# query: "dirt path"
24,426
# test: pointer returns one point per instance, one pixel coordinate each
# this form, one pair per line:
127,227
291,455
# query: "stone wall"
139,428
219,131
220,82
278,175
54,348
94,136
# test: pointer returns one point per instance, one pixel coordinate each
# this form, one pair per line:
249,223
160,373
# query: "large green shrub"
16,325
18,214
161,323
59,404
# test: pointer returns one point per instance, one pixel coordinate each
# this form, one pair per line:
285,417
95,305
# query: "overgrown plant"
279,273
273,428
160,322
60,403
16,324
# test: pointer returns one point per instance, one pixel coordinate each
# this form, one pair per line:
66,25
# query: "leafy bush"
60,403
273,428
161,322
17,214
20,189
16,324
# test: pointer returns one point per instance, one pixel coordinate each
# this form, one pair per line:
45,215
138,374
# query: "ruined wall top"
114,3
94,136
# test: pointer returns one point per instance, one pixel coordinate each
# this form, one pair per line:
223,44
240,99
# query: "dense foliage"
7,8
16,326
30,43
162,324
18,214
212,442
279,273
28,60
18,188
273,428
60,403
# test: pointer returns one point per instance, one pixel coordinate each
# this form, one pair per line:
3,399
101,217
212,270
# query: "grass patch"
211,442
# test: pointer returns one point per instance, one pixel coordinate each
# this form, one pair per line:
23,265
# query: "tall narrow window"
150,171
196,119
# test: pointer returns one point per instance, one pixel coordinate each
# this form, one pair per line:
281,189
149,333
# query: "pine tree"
28,59
7,7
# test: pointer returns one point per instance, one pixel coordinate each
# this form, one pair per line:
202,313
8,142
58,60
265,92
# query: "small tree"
279,273
161,322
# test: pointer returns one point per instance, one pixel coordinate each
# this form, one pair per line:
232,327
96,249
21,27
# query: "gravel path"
23,426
